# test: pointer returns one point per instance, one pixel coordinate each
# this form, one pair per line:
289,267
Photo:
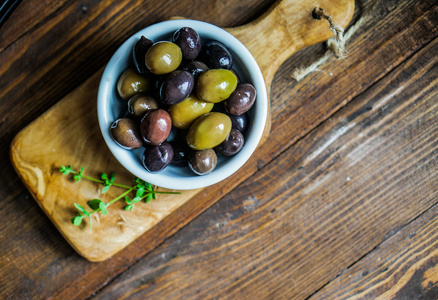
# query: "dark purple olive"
189,42
156,158
139,52
239,122
196,68
216,56
203,162
155,126
180,153
126,134
176,87
232,144
241,100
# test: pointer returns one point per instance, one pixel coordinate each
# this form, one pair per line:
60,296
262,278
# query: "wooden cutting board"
68,134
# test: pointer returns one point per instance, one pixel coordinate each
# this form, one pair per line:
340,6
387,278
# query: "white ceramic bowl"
110,106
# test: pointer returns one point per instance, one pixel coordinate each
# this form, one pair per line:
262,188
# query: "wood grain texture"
33,253
63,132
288,27
314,210
61,135
285,28
403,267
27,16
77,40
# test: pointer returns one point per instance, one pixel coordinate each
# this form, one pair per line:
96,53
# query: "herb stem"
101,181
122,186
143,190
120,196
90,178
168,193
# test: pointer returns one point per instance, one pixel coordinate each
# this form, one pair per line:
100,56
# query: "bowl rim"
160,179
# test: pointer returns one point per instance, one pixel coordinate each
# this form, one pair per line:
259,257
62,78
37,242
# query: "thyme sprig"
143,191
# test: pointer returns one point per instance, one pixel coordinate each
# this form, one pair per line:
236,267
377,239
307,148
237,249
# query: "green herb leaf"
80,208
102,207
105,189
136,199
143,190
94,204
76,220
65,170
149,198
140,192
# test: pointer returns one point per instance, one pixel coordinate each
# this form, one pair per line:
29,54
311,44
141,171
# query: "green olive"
216,85
163,58
184,113
208,131
131,83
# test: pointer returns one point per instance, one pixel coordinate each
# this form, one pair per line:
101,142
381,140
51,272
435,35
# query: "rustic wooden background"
342,202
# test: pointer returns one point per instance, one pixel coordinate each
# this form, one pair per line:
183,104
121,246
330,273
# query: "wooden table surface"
342,201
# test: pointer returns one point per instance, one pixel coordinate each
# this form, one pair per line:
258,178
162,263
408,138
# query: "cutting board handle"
287,27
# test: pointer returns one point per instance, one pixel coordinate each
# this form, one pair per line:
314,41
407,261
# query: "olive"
176,87
184,113
241,100
130,83
139,52
189,42
208,131
156,158
180,153
139,104
240,122
232,144
216,56
126,134
216,85
203,162
155,126
196,68
237,76
163,57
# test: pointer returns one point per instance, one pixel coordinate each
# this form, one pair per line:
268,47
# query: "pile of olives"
184,103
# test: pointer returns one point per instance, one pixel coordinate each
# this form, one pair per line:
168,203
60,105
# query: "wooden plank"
26,17
83,40
58,138
61,134
403,267
314,210
28,234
